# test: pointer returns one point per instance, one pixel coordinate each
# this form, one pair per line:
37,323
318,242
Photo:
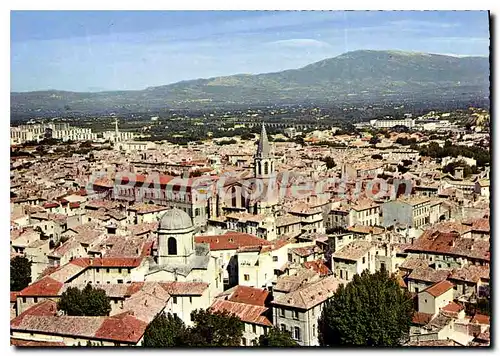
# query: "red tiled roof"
253,314
44,287
482,225
317,266
74,205
439,288
420,318
470,273
231,241
49,270
45,308
122,327
147,248
13,296
249,295
123,262
134,287
185,288
453,307
480,319
31,343
451,243
50,205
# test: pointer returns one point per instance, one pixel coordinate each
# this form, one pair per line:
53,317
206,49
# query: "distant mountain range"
358,76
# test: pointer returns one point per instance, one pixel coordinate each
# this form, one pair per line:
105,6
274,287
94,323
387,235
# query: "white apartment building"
391,123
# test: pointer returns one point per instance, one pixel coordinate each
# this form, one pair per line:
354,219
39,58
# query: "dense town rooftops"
285,220
364,229
42,318
143,208
470,273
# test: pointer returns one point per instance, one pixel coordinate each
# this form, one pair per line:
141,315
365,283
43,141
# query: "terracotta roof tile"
231,241
248,313
318,266
470,273
439,288
32,343
450,243
353,250
249,295
184,288
309,295
420,318
13,296
46,286
480,319
122,327
452,307
44,308
123,262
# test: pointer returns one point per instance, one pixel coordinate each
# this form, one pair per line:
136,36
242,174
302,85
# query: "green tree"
277,338
371,310
215,329
210,329
165,331
247,136
330,163
20,273
87,302
374,140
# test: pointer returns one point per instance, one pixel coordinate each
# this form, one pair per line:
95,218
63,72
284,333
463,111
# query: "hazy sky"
115,50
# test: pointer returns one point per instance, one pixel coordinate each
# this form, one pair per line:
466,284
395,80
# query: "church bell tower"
264,163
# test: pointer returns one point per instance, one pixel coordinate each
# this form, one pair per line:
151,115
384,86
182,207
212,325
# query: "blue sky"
123,50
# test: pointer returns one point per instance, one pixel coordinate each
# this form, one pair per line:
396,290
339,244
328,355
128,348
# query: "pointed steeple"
116,129
263,150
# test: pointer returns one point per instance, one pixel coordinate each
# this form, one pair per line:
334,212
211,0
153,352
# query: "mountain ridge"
365,74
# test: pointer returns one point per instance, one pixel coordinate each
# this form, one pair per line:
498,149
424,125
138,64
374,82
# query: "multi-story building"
298,303
413,212
381,123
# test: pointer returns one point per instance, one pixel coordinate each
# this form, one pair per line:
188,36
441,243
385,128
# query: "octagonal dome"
175,219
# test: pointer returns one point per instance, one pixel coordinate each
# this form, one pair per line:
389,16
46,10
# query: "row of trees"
468,170
433,150
210,329
371,310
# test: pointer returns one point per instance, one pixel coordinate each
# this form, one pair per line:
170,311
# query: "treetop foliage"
86,302
20,273
371,310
